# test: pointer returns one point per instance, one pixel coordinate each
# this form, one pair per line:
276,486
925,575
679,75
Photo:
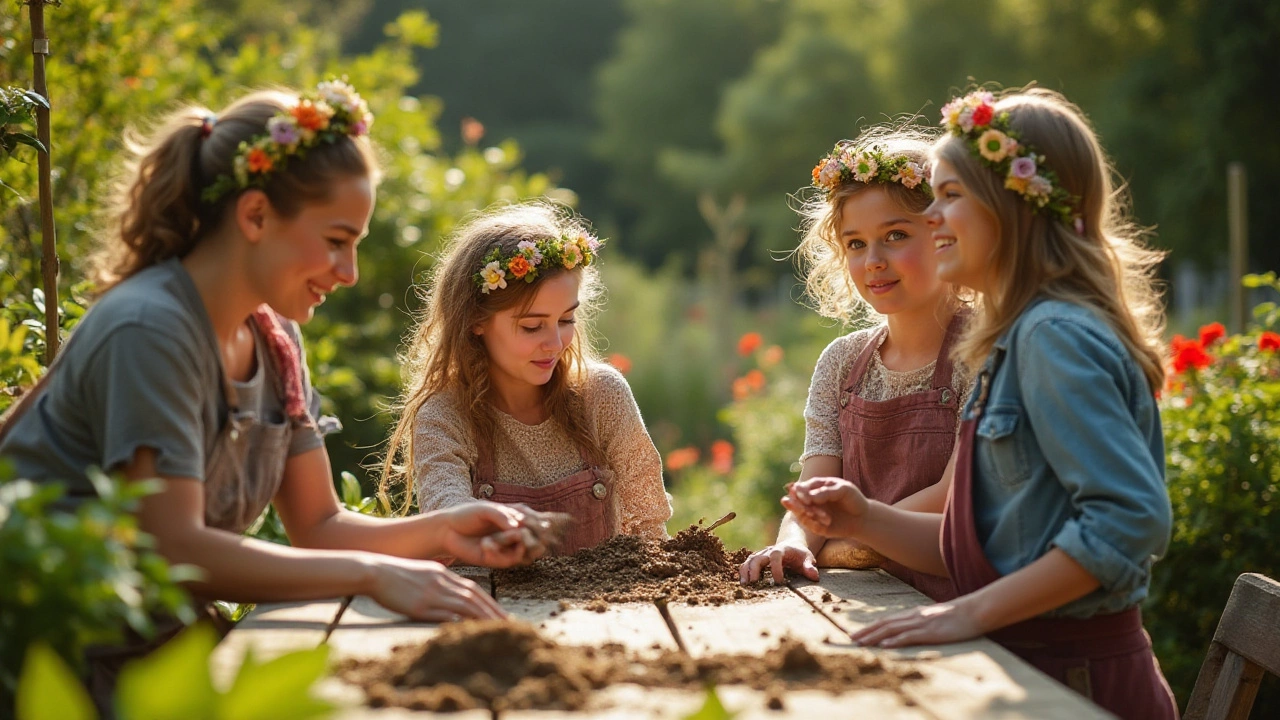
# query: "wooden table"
975,679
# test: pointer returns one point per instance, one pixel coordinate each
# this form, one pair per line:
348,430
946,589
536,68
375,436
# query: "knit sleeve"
629,452
443,455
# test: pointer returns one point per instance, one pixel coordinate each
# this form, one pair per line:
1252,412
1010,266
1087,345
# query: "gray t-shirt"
142,370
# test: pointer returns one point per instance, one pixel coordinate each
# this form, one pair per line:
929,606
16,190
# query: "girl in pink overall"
507,402
1058,506
884,402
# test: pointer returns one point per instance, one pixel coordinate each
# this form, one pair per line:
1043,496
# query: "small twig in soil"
722,521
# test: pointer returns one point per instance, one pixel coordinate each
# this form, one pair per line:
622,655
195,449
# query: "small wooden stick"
722,521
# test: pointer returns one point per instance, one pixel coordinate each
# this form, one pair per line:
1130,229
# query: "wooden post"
49,257
1238,233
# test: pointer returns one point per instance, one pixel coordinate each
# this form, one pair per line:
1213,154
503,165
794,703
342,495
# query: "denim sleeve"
1075,387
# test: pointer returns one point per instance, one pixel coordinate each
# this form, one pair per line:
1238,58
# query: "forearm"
418,537
932,499
906,537
242,569
790,532
1046,584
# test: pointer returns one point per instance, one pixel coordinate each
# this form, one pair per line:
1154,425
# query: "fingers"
886,629
809,568
776,566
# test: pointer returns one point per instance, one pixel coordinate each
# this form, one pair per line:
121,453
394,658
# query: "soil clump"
693,567
506,665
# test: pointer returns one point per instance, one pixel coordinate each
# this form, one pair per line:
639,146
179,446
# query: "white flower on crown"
864,167
572,255
910,174
494,276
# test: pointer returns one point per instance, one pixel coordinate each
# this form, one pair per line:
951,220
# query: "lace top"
879,383
444,453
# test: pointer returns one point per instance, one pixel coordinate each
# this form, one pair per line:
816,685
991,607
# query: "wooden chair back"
1245,645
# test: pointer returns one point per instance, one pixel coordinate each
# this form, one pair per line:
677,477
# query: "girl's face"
965,232
302,259
525,346
889,253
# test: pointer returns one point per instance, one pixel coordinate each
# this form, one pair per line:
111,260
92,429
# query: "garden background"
681,128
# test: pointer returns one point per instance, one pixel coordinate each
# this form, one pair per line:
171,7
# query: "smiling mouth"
943,242
879,287
318,292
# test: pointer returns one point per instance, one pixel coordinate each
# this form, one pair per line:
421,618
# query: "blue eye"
896,235
856,244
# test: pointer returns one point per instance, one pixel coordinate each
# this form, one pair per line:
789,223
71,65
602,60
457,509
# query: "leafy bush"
76,579
1221,415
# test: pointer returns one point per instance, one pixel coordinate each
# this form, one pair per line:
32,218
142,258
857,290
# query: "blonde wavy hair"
445,354
153,210
820,255
1109,268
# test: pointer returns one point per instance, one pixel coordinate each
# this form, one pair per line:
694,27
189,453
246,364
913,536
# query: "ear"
251,209
478,329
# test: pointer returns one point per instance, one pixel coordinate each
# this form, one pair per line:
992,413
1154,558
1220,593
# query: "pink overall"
587,495
1106,658
896,448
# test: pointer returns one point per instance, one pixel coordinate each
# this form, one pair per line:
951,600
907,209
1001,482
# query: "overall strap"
285,359
860,365
945,366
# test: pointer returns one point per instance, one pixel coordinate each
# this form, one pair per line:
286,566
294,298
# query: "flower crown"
332,111
990,137
850,163
568,251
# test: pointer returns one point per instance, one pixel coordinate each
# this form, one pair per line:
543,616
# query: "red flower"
982,115
1189,354
755,379
620,361
259,161
1211,333
749,343
741,388
1269,341
682,458
772,356
472,130
722,456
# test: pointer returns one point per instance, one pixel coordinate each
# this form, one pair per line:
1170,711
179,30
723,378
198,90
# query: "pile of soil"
692,567
505,665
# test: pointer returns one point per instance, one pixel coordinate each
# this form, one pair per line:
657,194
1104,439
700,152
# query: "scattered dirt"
692,567
506,665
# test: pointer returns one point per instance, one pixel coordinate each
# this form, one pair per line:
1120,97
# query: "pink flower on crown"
1023,168
592,243
530,249
864,167
910,175
1039,186
283,130
572,255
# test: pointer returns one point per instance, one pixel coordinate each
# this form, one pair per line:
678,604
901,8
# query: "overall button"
844,399
599,490
235,434
946,395
486,490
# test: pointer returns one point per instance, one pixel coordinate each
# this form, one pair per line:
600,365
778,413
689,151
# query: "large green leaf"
172,682
49,690
277,690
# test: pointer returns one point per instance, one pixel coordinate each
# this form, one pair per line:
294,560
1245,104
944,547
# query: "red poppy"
1211,333
755,379
1189,354
722,456
982,115
749,343
620,361
1269,341
682,458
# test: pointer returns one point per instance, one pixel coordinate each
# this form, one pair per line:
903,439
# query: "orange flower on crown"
259,161
519,266
309,116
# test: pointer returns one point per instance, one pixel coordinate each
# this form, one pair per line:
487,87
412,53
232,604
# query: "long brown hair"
1108,268
821,254
444,353
154,210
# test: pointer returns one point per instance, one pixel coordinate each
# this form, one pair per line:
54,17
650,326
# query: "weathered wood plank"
368,630
972,679
272,630
754,627
637,626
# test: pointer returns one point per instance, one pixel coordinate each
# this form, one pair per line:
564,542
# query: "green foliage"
76,579
17,112
1222,430
173,683
712,708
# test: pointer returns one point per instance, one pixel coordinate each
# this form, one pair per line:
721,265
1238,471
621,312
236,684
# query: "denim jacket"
1069,454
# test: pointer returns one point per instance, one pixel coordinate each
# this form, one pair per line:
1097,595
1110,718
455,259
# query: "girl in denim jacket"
1058,505
885,400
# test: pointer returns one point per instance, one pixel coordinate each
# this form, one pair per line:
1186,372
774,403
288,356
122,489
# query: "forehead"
554,296
869,209
350,204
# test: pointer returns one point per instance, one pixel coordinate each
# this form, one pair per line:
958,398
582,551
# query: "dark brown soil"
505,665
692,567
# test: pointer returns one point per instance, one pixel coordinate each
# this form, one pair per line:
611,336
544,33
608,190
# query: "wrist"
367,572
986,614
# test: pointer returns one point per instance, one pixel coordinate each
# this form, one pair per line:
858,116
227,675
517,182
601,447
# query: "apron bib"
587,495
898,447
1106,658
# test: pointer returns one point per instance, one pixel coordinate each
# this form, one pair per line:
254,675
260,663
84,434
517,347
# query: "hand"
491,535
426,591
826,506
928,625
779,557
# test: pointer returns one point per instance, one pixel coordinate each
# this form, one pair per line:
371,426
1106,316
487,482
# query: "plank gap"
817,608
